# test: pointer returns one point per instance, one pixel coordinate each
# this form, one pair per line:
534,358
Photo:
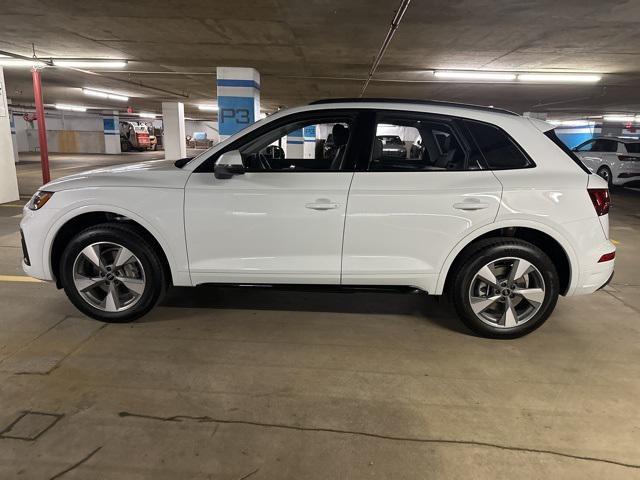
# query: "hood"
154,173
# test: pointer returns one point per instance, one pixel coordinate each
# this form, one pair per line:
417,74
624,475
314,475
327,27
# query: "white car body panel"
262,227
399,228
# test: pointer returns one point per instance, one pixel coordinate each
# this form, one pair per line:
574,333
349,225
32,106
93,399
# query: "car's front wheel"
505,288
111,273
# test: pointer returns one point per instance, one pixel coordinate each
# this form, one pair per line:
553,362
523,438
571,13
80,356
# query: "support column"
309,134
174,136
8,178
295,144
238,91
111,127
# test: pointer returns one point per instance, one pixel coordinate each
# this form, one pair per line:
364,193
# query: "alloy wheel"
108,276
507,292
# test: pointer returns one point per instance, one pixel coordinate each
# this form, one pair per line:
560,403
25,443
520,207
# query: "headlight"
39,199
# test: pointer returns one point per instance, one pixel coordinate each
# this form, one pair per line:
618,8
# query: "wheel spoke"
535,296
86,283
122,257
480,304
488,276
518,269
112,301
92,253
133,284
509,317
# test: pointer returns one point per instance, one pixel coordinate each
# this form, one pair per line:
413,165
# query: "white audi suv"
486,206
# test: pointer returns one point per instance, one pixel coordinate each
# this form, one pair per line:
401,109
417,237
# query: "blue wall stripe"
226,82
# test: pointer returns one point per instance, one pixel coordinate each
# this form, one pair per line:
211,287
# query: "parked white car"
617,160
492,208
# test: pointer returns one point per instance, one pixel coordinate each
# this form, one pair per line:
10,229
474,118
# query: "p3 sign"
235,113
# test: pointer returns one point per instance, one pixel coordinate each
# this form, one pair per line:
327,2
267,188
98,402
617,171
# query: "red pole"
42,129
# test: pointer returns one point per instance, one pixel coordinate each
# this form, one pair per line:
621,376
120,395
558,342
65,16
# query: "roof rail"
420,102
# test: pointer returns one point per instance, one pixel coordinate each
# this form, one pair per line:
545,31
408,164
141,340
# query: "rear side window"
633,147
500,152
604,145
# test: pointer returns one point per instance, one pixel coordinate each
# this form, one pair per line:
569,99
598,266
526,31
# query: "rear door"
405,214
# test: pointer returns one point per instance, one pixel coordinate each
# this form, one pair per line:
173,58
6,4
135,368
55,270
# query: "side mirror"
228,165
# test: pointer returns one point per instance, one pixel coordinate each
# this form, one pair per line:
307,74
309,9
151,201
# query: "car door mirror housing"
228,165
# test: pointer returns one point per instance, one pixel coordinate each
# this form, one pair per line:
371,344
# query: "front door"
282,221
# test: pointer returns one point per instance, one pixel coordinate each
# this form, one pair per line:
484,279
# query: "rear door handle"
322,204
470,206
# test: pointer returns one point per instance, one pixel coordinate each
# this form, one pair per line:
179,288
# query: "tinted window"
415,144
498,149
633,147
604,145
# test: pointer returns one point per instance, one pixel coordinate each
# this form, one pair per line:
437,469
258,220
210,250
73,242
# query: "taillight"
627,158
607,257
600,199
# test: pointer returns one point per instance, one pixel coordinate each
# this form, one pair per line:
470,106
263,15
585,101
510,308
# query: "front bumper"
34,228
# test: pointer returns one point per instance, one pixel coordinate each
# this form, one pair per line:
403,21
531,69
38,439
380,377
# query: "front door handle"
470,206
322,204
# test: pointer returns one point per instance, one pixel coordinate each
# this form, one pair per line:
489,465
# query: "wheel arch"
549,241
76,221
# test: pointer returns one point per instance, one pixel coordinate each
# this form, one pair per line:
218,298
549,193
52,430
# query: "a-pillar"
8,178
174,137
238,92
111,127
309,134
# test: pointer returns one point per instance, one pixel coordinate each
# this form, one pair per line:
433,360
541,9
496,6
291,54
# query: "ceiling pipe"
395,23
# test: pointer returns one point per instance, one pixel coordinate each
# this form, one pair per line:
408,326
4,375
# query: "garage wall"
66,133
208,127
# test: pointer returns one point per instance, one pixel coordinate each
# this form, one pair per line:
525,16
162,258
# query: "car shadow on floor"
431,308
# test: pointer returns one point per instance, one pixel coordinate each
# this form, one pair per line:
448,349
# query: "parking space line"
19,278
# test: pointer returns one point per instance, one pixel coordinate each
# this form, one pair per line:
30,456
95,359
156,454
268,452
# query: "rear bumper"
595,278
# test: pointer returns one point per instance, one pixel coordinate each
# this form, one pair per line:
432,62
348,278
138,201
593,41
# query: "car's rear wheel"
505,288
111,273
605,173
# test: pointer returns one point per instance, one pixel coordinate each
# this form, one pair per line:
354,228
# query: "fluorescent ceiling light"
477,75
208,108
18,62
619,118
147,115
572,123
112,96
559,77
74,108
90,63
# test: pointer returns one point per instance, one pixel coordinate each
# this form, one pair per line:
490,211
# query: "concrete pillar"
174,136
8,178
295,144
111,127
238,91
14,138
309,134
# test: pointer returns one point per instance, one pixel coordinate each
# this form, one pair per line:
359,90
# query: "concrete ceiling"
313,49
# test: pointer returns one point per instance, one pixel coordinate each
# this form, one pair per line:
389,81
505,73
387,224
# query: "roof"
412,101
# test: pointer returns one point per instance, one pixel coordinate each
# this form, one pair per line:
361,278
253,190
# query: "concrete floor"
233,384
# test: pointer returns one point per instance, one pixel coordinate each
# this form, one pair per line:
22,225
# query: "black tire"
486,251
128,236
605,172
